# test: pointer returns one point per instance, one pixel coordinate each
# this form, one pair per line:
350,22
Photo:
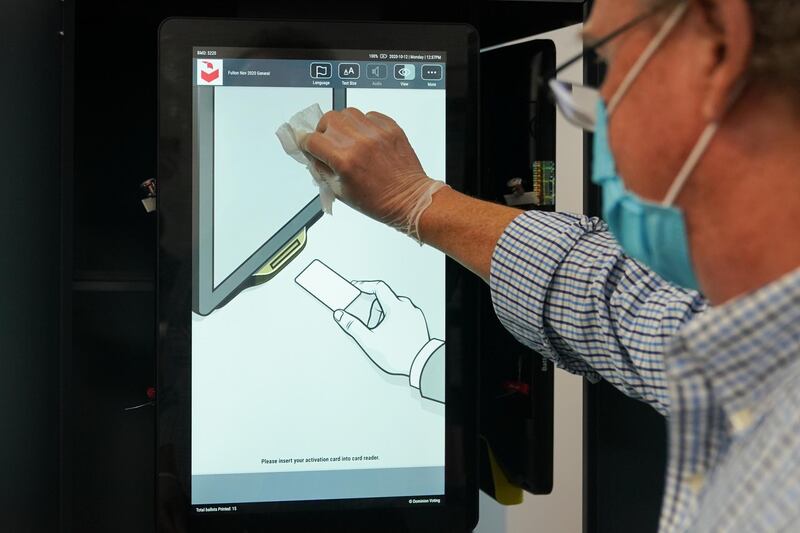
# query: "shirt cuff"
525,260
415,375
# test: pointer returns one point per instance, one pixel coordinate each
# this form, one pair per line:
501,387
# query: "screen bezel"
177,37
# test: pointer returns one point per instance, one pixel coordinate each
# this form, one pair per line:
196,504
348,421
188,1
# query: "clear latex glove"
380,173
398,339
291,135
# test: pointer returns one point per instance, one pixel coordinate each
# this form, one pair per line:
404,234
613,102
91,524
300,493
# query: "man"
700,116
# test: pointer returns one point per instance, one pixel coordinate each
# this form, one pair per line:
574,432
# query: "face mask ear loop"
691,163
700,149
648,53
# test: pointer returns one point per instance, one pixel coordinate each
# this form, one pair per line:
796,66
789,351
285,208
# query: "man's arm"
465,228
560,283
562,286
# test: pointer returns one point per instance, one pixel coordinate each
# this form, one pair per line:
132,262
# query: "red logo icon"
208,72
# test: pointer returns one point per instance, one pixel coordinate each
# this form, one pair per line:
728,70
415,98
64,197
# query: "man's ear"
732,22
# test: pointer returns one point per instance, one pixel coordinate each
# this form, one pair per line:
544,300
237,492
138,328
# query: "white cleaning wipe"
291,135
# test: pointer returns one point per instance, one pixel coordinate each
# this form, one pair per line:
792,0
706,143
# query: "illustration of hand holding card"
390,329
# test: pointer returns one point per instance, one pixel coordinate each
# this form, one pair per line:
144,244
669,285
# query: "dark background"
78,135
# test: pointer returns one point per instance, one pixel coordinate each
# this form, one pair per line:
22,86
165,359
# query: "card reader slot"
286,252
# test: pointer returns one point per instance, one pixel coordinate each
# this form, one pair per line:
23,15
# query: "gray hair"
776,41
776,51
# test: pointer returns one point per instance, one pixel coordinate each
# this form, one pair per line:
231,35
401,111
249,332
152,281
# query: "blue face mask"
653,233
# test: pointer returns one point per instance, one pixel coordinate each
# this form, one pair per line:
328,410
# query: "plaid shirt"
727,378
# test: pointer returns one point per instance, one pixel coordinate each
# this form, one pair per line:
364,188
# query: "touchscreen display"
317,368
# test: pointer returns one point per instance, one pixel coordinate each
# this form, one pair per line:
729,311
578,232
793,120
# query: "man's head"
690,83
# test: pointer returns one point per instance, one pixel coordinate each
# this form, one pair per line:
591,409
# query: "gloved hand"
380,173
395,342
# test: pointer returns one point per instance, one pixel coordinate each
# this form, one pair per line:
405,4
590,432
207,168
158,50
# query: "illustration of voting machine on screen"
253,203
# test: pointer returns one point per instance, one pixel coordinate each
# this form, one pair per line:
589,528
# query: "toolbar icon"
432,72
321,70
349,71
377,71
405,72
